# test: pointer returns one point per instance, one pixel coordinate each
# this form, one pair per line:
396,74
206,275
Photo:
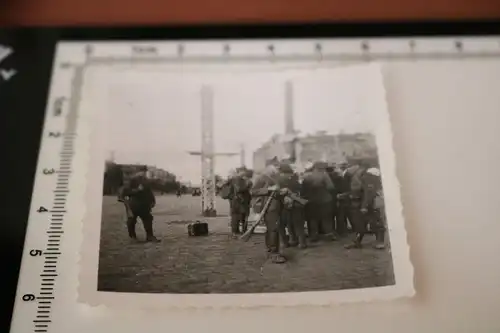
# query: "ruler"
37,296
39,273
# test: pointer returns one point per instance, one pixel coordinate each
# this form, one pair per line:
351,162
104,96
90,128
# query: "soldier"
317,189
292,215
333,174
364,187
343,187
141,201
373,206
239,200
266,183
308,167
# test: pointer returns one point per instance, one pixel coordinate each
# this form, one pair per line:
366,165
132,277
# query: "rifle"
128,210
297,198
248,234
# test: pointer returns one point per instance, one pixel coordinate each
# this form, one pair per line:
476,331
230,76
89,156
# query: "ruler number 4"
42,209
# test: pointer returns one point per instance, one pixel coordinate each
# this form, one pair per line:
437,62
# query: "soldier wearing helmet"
317,188
292,214
141,200
364,187
265,184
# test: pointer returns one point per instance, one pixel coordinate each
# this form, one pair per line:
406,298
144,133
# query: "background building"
317,147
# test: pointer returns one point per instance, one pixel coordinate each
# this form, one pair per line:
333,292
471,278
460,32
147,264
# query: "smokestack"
242,154
289,125
290,146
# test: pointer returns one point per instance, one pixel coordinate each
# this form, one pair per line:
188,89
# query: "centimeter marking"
54,233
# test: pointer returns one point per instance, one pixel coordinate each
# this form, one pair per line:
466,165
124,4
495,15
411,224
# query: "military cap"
241,169
272,161
320,165
285,168
308,166
330,166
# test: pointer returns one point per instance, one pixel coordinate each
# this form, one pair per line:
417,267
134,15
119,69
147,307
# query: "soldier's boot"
330,237
302,242
357,242
277,258
379,240
293,240
148,227
285,241
131,228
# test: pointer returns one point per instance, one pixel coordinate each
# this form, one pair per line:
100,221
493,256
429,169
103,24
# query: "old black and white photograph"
246,182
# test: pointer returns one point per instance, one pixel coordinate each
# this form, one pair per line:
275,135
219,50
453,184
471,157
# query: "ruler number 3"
28,297
49,171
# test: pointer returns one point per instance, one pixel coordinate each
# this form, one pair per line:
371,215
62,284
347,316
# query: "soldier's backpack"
197,228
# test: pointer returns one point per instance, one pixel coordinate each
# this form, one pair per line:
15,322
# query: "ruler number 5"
54,134
35,253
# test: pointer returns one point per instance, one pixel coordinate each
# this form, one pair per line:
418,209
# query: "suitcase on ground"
198,229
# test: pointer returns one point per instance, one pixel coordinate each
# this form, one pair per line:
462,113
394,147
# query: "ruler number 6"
49,171
28,297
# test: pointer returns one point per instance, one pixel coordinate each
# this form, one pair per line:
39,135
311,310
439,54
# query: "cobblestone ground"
219,264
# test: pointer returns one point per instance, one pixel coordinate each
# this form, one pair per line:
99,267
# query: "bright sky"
157,114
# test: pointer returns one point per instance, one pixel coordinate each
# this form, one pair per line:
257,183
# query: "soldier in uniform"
141,201
308,167
372,206
317,189
334,177
239,200
264,184
363,191
343,187
292,216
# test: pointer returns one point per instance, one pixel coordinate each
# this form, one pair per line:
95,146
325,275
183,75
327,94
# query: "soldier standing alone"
141,201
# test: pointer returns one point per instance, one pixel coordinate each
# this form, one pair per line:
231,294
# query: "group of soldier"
339,200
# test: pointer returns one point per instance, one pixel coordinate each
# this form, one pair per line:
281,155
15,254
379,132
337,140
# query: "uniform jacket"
371,185
291,181
260,192
317,187
240,194
139,199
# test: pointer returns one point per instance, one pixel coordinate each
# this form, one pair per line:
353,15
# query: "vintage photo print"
240,186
